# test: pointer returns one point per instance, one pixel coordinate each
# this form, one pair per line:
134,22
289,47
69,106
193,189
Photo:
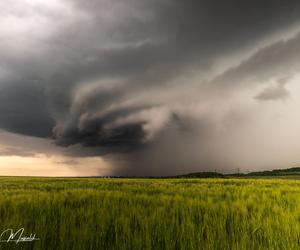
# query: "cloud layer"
156,87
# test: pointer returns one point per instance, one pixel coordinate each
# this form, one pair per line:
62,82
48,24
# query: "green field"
90,213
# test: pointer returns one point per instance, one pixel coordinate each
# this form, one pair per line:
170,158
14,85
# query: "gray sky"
148,87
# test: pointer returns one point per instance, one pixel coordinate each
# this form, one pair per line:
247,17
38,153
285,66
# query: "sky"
148,87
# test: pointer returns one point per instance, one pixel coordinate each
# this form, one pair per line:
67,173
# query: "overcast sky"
148,87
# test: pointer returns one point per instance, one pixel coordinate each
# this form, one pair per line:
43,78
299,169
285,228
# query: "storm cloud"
275,92
156,87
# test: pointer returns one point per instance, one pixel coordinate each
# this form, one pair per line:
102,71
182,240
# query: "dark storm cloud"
107,74
171,35
23,110
278,59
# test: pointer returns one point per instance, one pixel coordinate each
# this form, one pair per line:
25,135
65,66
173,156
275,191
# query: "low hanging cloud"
278,92
139,82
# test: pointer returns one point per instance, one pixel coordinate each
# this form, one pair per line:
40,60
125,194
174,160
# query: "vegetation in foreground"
90,213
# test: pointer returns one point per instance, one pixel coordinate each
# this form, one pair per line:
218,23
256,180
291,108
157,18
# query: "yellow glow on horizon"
42,165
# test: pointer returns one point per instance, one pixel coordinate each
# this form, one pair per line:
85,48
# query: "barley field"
94,213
